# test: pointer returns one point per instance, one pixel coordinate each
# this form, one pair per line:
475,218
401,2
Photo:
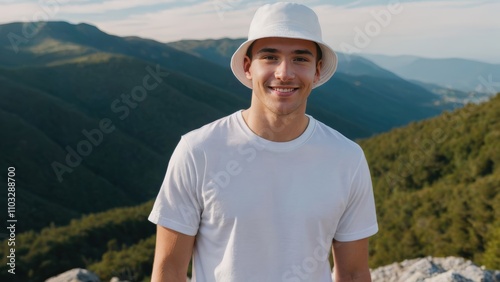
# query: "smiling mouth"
283,89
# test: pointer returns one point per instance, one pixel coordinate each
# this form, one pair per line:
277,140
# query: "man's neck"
277,128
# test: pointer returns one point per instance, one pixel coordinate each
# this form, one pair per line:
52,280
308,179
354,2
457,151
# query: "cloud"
199,21
13,11
426,28
430,29
88,7
27,11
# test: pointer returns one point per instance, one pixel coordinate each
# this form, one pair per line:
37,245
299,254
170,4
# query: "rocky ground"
428,269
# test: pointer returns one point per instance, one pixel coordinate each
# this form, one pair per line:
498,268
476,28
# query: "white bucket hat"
289,20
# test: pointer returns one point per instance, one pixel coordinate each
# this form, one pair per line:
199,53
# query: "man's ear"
246,67
317,75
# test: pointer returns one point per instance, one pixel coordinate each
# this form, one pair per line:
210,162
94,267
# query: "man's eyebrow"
275,51
268,50
303,52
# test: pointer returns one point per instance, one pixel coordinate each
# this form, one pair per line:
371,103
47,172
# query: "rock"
417,271
448,276
429,269
116,279
75,275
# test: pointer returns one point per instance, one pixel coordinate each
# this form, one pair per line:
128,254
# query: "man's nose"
284,71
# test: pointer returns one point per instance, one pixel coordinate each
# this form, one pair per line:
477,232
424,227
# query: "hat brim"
328,66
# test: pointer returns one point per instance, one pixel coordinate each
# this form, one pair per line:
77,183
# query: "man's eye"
301,59
269,58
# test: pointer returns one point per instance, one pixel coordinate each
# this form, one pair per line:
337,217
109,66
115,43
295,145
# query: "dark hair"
318,51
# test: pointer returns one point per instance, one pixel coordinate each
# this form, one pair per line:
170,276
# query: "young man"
263,194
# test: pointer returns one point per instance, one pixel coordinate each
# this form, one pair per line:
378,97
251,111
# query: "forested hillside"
436,185
101,242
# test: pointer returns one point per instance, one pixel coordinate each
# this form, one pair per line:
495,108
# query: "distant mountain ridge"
453,73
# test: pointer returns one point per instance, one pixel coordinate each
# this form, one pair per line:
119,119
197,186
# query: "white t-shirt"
263,210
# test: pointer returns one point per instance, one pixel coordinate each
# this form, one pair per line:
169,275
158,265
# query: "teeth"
284,89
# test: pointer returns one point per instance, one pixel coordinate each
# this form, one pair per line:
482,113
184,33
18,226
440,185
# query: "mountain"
460,74
56,41
218,51
359,66
376,103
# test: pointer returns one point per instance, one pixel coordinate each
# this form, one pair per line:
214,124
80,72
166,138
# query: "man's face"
283,72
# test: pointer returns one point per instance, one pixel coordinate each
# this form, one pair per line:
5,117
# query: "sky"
433,29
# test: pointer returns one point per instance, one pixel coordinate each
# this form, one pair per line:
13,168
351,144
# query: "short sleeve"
177,205
359,219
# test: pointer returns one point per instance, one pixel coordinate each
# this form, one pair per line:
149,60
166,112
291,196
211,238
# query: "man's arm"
351,261
172,254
